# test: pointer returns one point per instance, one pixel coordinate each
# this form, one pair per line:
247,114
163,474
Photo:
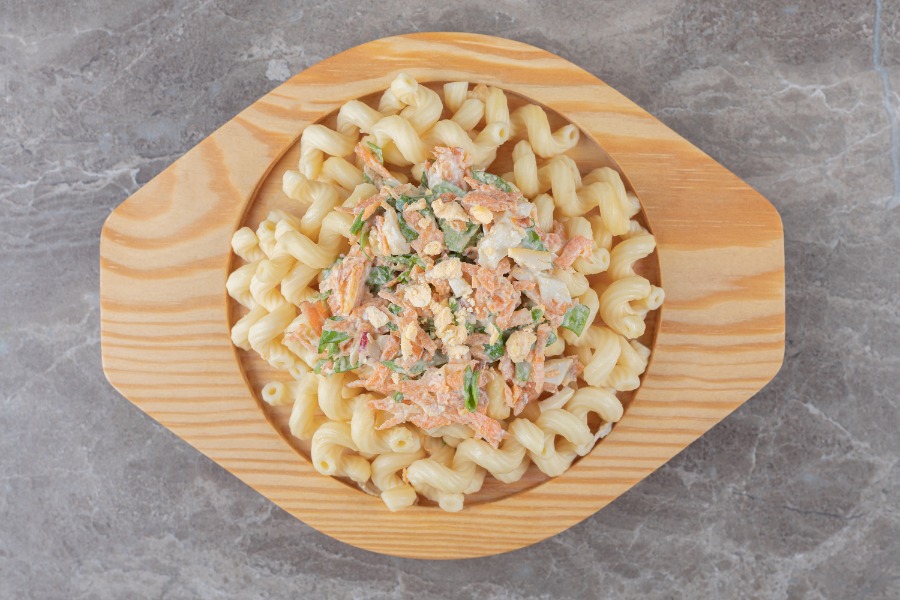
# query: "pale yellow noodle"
526,174
615,305
545,206
241,329
317,141
455,94
275,393
532,120
246,245
423,105
355,116
238,284
398,130
264,285
469,114
302,422
395,493
341,172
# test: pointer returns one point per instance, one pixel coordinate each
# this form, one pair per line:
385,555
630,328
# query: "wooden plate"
165,321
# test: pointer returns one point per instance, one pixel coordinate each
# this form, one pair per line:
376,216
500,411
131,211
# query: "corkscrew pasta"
429,336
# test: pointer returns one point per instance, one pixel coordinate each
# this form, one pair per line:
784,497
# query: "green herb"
419,367
576,318
495,351
491,179
378,276
523,371
470,389
363,242
408,232
446,187
394,366
320,297
342,365
319,364
457,241
532,240
408,260
335,318
367,178
330,339
391,326
398,397
479,329
428,326
552,339
537,314
357,224
470,327
454,305
395,309
327,272
376,150
400,203
423,183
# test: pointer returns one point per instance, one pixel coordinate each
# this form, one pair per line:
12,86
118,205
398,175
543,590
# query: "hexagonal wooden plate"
165,320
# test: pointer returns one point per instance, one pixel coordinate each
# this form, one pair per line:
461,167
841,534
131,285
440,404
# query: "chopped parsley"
378,276
408,232
491,179
393,366
363,242
532,240
470,389
457,241
395,309
330,340
398,397
356,227
446,187
537,314
342,365
523,371
576,318
495,351
376,150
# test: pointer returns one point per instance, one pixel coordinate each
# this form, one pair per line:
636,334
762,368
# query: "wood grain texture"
165,319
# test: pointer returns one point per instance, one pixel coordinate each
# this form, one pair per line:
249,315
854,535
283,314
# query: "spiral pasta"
246,245
302,422
329,453
395,492
317,141
533,120
238,283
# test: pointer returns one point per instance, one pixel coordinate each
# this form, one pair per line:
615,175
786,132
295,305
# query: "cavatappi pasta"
434,333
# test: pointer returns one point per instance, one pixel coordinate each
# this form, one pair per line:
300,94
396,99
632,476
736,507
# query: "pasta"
474,325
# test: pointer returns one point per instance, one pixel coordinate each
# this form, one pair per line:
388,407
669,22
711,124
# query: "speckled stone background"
796,495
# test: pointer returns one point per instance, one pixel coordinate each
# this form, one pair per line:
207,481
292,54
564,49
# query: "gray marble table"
795,495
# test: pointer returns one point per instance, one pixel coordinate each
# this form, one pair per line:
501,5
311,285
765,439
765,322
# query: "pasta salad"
435,318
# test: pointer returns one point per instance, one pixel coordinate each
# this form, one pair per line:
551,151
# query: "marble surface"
795,495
